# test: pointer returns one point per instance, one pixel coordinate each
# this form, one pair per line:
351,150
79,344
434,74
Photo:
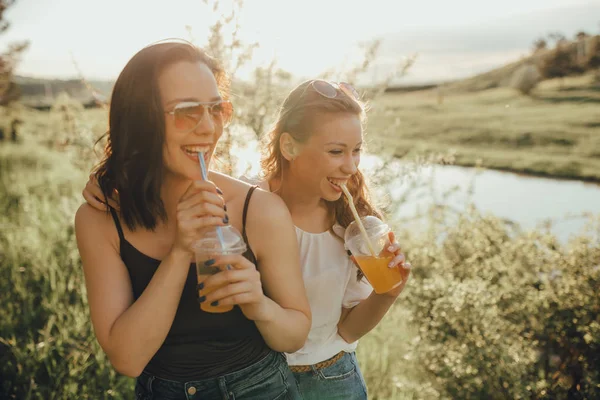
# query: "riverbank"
554,133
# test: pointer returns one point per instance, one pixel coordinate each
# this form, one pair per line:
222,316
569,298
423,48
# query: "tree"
558,38
559,63
9,91
539,45
593,61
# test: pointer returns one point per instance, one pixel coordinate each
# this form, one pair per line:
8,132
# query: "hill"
40,93
555,132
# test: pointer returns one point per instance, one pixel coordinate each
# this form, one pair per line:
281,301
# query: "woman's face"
330,156
187,81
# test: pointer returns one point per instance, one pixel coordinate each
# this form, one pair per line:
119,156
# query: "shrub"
525,79
507,315
560,62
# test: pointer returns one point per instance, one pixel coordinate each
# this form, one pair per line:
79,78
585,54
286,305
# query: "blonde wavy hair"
297,116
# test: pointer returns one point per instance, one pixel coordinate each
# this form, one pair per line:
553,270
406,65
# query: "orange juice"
380,276
204,306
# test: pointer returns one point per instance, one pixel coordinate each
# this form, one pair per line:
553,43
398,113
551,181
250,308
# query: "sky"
452,38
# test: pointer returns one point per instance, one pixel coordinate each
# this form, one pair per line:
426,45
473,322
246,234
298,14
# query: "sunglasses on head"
187,115
331,90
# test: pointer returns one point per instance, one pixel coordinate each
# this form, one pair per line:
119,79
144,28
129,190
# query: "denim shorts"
342,380
267,379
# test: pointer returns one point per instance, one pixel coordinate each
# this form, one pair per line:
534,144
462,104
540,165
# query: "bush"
503,315
560,62
525,79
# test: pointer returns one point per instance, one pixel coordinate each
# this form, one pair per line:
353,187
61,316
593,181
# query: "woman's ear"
289,147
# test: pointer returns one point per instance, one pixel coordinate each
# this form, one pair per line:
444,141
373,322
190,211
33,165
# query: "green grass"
47,346
555,132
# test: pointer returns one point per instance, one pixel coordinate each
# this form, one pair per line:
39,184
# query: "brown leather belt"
323,364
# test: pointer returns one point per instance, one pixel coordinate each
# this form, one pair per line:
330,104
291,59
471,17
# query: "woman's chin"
331,196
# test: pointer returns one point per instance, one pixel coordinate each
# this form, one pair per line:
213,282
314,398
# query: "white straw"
205,178
357,219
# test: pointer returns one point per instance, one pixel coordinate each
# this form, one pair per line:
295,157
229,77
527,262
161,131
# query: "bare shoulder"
87,215
231,186
268,214
91,224
271,205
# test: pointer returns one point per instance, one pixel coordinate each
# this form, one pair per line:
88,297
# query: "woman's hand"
93,195
239,285
399,261
201,206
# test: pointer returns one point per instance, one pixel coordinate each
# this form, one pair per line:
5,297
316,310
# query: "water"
528,201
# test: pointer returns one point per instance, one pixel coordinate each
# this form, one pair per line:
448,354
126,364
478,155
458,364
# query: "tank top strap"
244,217
117,224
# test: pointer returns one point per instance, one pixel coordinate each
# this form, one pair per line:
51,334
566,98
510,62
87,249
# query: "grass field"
555,132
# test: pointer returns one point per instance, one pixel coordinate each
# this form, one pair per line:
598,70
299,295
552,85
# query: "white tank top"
330,282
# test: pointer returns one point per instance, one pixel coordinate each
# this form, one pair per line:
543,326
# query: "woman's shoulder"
271,204
87,215
93,224
256,181
237,187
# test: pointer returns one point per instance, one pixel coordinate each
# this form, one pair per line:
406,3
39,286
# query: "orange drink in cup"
373,262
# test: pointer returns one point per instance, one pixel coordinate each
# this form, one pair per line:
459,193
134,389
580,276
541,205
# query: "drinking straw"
204,178
357,219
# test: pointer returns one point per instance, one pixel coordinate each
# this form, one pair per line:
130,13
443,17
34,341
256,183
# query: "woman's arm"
275,297
270,225
359,320
130,332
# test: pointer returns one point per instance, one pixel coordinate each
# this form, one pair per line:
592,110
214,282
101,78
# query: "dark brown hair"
132,163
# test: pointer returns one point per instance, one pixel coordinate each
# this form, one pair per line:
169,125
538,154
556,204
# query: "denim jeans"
342,380
268,379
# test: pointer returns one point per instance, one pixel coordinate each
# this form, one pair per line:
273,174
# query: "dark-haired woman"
168,104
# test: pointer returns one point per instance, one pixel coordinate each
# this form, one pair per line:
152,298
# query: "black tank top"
199,345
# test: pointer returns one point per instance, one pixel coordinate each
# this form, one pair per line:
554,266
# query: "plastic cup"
376,270
210,246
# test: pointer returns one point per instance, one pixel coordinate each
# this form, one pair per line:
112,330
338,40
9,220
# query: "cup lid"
373,225
232,240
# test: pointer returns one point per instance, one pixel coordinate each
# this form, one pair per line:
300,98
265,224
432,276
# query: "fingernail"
391,248
219,191
391,264
225,207
215,303
210,262
200,286
201,299
226,219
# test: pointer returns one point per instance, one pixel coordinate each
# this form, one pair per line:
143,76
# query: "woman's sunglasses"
331,90
188,115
